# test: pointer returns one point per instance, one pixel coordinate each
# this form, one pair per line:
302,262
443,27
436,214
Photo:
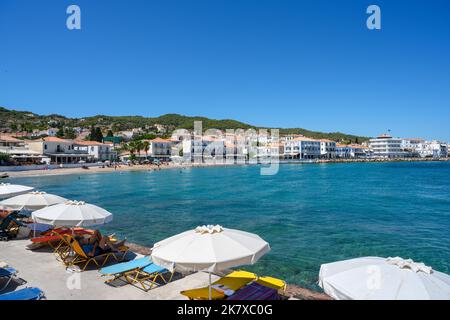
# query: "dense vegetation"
27,121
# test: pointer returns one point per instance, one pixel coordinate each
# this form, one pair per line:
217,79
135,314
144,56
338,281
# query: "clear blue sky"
277,63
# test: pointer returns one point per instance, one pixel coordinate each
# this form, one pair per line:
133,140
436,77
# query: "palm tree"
146,147
139,146
130,148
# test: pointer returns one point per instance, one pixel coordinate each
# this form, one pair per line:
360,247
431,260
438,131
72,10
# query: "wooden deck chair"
80,257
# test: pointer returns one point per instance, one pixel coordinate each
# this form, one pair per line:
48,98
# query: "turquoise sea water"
310,214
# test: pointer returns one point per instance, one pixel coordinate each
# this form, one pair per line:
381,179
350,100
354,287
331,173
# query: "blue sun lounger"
7,273
24,294
141,272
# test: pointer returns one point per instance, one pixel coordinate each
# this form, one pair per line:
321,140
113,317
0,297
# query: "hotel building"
97,151
302,148
385,146
58,150
327,149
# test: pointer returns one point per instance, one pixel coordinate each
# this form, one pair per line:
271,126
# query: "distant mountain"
11,120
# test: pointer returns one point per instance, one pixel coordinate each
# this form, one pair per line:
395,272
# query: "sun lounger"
255,291
141,272
223,287
76,255
272,282
8,274
53,237
24,294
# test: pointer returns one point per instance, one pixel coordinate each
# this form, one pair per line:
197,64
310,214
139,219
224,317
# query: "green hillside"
28,121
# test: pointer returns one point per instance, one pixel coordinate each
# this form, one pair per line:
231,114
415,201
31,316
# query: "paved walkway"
41,269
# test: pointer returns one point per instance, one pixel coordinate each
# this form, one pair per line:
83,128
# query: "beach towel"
255,291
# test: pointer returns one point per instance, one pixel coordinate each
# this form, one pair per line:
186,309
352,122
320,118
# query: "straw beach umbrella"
375,278
72,214
10,190
32,201
209,248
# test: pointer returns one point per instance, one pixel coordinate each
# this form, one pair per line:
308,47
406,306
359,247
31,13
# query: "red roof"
56,139
9,138
88,143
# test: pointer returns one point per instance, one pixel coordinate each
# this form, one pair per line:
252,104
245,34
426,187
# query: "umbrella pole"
210,293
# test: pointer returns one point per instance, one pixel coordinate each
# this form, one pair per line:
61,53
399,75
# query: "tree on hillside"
96,134
99,135
110,133
69,133
60,133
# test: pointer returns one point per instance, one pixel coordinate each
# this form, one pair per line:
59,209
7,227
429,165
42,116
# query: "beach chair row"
145,275
8,274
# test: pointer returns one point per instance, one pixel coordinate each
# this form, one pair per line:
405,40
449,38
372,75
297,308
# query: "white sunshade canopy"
209,248
10,190
375,278
32,201
72,214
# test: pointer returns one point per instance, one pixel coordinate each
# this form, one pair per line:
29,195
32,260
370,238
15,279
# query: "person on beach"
97,244
4,214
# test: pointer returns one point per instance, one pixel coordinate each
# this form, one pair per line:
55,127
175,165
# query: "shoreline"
152,167
119,169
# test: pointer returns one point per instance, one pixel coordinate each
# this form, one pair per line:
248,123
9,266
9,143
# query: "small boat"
3,175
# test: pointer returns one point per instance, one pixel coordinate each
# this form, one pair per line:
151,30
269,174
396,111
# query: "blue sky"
276,63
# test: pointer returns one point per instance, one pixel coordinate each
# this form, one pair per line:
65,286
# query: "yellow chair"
273,283
233,281
79,256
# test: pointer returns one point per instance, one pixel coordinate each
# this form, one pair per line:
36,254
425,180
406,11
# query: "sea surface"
309,213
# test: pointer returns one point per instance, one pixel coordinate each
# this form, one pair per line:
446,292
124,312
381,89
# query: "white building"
58,150
351,151
160,148
97,151
18,151
432,149
385,146
302,148
201,149
327,149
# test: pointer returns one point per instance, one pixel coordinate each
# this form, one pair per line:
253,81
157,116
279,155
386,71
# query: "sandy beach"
104,169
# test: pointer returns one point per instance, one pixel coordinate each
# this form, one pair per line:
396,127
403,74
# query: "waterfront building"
18,151
302,148
97,151
290,137
351,151
270,151
432,149
160,148
58,150
327,149
385,146
412,145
